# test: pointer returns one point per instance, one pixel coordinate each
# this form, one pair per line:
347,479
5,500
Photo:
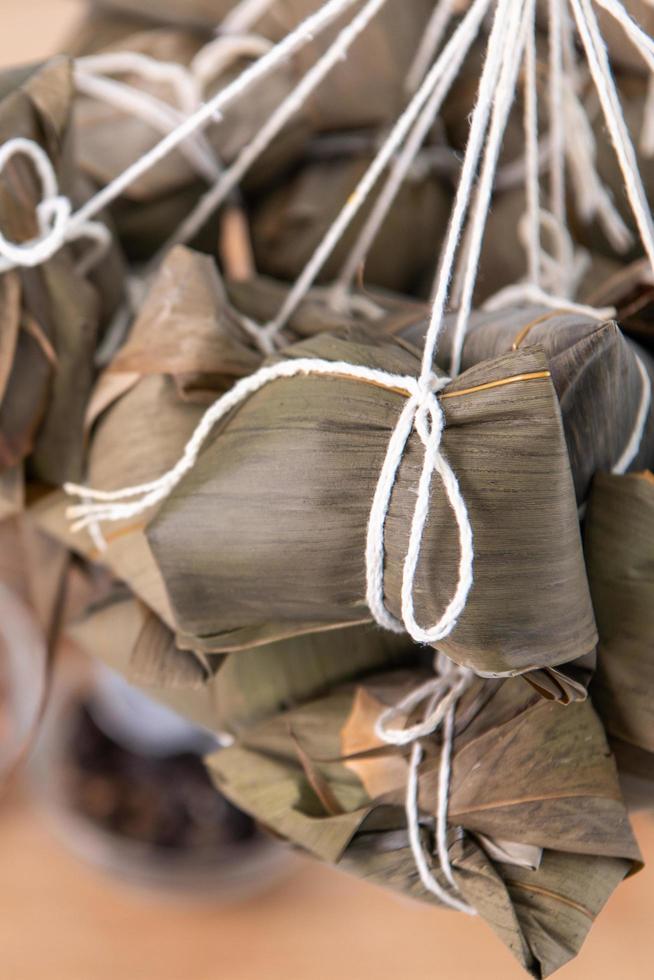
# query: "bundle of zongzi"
51,316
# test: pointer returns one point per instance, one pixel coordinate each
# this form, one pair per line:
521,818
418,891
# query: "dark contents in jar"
168,802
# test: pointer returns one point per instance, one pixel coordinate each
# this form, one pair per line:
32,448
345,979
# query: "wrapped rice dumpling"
618,535
51,316
265,536
595,372
631,291
538,835
111,134
291,221
366,90
232,692
185,348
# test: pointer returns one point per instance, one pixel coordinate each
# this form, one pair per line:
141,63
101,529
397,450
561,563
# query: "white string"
528,294
176,76
53,213
244,15
443,692
157,114
632,448
366,184
421,413
284,111
431,41
522,17
478,127
556,123
598,62
452,58
572,267
592,199
218,55
362,191
647,129
68,226
642,41
509,175
532,161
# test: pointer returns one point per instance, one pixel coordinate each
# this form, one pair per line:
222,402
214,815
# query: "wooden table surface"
63,920
60,919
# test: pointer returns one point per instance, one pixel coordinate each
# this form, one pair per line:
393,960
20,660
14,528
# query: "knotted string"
53,214
441,694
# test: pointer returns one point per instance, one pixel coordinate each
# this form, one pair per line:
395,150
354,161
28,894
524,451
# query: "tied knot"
54,216
424,414
429,420
440,695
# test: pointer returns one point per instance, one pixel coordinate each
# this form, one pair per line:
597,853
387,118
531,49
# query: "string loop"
441,694
53,214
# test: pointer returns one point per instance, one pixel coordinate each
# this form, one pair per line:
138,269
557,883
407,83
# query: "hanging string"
521,20
154,112
478,127
642,41
177,77
452,59
574,266
592,199
244,15
632,448
598,62
442,695
72,225
210,201
187,85
431,42
647,129
362,191
556,125
532,162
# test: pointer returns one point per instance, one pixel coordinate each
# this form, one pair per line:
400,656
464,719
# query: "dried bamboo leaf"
184,348
186,327
292,220
58,312
261,297
543,913
619,533
594,371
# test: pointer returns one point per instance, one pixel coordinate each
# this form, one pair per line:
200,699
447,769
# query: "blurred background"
74,905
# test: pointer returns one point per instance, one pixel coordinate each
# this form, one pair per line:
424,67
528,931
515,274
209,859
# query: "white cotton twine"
442,694
53,216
